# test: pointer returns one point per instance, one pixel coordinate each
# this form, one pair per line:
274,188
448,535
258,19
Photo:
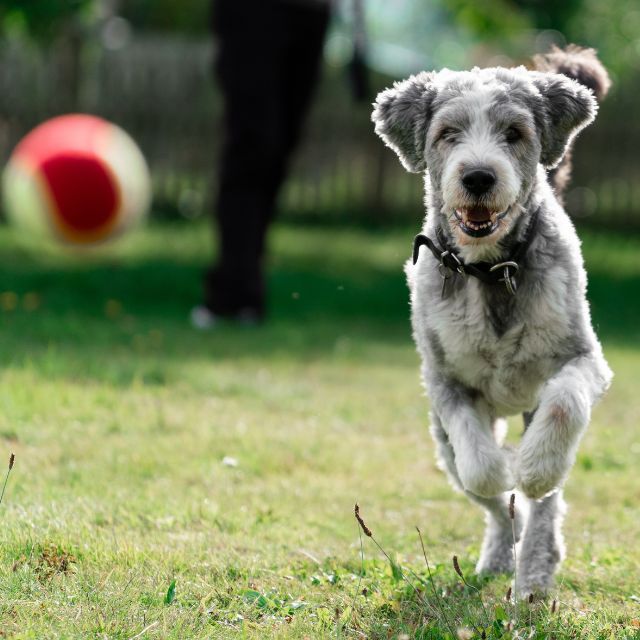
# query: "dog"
498,289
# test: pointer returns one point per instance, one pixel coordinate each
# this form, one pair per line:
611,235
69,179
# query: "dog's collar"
503,272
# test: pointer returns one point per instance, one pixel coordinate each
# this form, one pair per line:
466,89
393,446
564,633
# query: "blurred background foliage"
42,19
612,26
139,62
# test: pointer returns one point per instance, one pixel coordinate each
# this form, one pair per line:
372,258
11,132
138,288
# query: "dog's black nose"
478,181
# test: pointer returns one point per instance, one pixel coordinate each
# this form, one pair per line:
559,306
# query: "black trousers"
269,54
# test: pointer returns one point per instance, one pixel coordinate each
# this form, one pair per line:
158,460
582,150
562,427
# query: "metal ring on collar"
509,282
502,265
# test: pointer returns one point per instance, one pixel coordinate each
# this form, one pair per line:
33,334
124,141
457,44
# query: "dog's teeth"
477,226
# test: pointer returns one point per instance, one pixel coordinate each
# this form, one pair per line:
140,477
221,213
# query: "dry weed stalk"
512,517
357,591
369,534
12,459
365,529
433,586
458,570
425,603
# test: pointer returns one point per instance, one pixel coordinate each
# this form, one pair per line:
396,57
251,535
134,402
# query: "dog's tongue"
478,214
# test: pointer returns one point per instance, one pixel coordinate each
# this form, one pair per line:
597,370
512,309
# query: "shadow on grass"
615,306
129,319
119,322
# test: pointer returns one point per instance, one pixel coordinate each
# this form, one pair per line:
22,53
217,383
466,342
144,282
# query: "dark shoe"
235,294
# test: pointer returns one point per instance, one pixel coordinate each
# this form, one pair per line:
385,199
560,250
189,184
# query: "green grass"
124,511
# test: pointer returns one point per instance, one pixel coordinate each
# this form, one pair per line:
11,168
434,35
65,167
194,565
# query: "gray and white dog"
498,295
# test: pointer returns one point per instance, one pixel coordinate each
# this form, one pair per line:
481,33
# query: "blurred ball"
77,179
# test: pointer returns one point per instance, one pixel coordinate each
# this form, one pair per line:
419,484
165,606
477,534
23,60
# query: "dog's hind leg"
542,546
496,555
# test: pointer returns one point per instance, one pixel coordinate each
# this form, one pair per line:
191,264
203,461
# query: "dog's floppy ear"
401,115
568,108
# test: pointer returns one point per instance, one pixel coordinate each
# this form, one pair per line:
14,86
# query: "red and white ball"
77,179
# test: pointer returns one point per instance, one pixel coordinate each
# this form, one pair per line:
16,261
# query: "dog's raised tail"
579,63
583,65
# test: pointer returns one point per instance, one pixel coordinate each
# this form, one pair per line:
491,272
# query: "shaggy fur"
487,354
582,65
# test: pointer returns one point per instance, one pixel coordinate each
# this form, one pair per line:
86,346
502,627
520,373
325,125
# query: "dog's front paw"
486,474
536,487
537,475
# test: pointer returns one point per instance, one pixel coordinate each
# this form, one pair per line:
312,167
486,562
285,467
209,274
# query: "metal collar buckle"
446,270
459,267
507,278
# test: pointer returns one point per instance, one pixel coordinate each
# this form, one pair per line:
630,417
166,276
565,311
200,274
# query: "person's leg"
300,63
307,27
269,55
235,282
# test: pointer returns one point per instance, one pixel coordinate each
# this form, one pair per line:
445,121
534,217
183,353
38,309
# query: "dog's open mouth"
478,221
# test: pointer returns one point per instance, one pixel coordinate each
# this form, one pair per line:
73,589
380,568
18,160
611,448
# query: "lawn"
175,484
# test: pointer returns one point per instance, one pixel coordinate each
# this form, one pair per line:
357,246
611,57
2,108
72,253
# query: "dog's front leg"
483,468
549,445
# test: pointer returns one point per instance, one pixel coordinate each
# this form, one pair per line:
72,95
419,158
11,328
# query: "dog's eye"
513,134
448,134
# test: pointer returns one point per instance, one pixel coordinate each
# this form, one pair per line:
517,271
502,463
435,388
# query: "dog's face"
482,152
482,134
